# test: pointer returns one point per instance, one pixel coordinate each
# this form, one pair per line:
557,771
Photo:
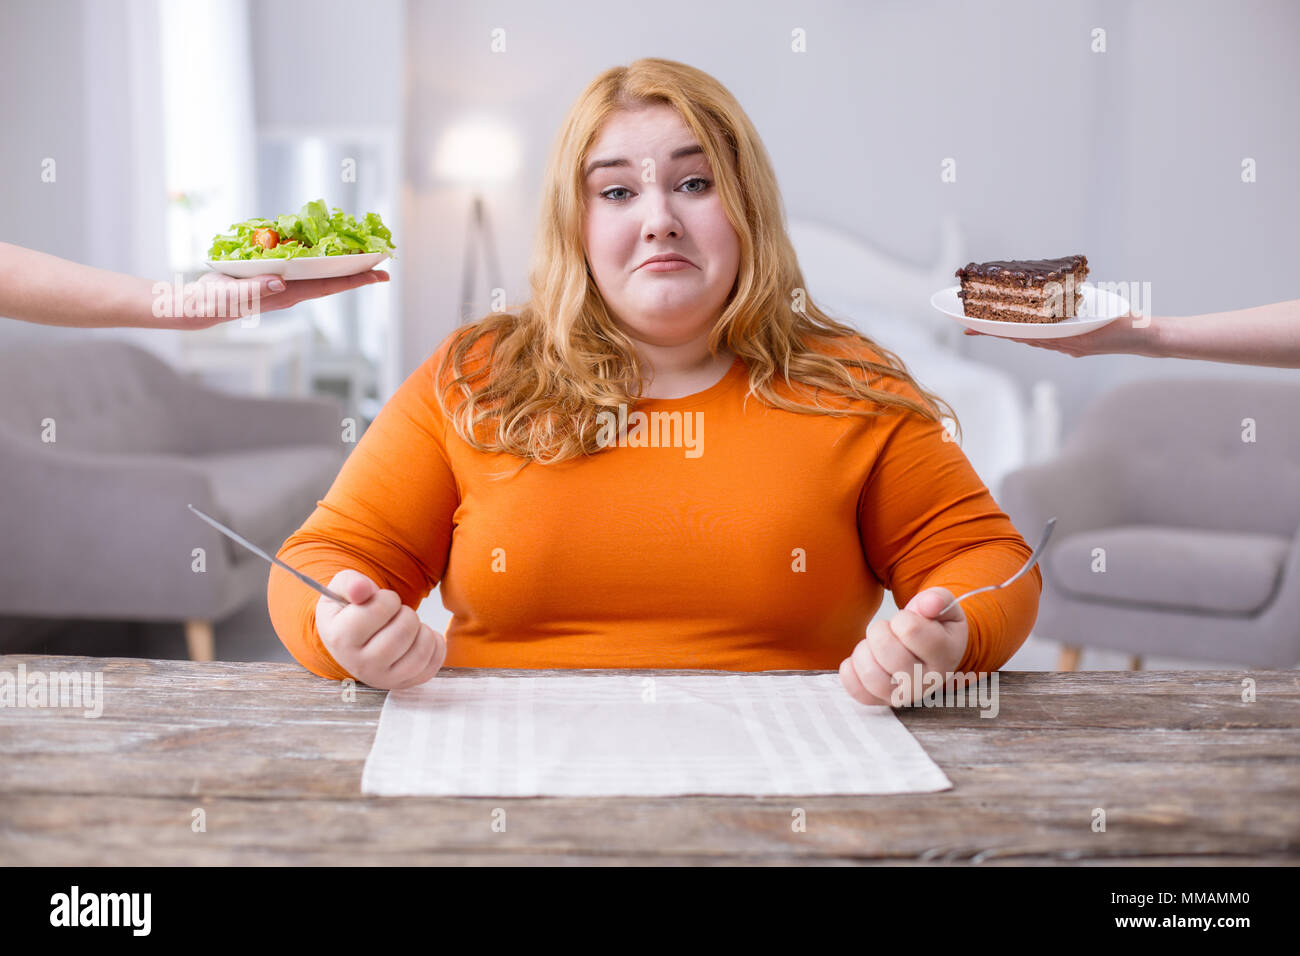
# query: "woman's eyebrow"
676,154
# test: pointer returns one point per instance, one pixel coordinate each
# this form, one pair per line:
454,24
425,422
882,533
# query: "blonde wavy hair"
557,361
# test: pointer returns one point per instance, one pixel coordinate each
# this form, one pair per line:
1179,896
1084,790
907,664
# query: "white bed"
889,301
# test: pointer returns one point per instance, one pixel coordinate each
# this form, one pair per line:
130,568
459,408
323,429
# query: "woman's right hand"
376,638
1120,336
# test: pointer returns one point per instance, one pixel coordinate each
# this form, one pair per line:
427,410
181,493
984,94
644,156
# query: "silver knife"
310,582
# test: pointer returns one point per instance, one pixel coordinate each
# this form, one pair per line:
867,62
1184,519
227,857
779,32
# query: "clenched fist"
377,639
916,634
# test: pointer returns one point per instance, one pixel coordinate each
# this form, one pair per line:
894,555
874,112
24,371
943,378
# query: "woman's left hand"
916,634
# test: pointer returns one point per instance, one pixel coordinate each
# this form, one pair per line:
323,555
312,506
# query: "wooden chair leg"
199,640
1070,654
1135,662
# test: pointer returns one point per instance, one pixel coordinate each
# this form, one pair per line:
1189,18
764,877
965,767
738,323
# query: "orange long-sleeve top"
754,539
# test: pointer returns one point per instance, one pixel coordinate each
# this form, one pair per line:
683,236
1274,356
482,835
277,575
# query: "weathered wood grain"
1186,772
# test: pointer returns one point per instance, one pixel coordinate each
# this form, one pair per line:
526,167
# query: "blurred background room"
168,120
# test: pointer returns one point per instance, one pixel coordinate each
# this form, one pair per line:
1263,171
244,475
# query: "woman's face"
654,202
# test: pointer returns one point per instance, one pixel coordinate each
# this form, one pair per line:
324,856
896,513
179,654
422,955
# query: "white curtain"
207,101
168,107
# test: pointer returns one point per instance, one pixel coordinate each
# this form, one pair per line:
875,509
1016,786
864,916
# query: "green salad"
312,231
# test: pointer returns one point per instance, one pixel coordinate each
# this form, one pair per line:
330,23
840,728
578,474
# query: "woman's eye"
705,184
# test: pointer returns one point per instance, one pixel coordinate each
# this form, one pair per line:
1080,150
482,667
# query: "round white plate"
1097,307
308,267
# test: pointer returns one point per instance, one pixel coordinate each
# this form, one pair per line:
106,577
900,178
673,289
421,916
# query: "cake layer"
1037,293
1001,313
1049,310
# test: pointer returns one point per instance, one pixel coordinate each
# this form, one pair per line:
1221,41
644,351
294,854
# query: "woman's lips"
666,265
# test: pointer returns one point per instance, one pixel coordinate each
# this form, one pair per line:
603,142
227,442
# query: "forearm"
291,606
1263,335
37,287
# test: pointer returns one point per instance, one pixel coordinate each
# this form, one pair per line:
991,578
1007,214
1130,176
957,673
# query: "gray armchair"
1176,534
94,524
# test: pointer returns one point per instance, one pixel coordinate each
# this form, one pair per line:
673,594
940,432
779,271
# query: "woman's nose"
660,219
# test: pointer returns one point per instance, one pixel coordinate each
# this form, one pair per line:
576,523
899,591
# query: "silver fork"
1033,559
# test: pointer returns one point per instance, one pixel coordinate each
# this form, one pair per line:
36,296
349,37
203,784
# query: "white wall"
321,63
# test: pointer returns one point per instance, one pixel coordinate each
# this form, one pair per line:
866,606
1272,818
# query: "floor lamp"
475,155
479,231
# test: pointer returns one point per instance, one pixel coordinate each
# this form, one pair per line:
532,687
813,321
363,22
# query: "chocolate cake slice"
1023,290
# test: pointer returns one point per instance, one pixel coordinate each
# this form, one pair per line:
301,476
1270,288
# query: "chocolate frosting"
1025,269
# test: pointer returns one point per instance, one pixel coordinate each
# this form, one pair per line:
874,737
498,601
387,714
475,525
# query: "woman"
591,485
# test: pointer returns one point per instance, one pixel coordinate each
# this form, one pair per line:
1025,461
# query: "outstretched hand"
1120,336
214,298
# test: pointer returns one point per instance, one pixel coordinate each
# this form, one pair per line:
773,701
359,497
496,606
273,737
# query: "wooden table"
1184,769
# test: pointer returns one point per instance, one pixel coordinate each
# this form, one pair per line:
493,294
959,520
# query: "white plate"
308,267
1097,307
